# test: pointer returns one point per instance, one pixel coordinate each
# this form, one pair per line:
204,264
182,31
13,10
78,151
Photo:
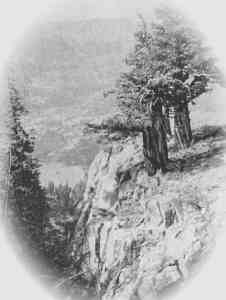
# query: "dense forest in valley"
98,236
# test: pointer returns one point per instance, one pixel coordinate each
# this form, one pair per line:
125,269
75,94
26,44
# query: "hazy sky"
83,9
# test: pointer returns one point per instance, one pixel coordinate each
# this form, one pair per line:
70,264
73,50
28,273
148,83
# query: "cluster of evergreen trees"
169,67
41,219
26,197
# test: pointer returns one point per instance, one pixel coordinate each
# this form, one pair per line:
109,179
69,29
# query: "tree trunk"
167,122
182,127
155,146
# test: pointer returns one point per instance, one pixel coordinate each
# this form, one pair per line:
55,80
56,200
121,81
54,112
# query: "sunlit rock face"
143,232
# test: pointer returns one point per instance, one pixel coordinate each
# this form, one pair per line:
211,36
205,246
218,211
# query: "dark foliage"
64,208
26,198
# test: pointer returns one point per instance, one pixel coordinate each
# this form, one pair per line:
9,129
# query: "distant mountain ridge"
64,61
64,68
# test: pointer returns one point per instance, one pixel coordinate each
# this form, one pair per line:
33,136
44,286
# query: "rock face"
142,233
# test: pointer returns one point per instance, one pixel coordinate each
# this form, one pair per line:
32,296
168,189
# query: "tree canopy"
170,61
166,51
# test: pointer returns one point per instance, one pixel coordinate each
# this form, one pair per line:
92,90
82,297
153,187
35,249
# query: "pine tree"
168,68
172,48
26,197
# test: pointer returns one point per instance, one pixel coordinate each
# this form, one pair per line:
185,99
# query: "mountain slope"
64,68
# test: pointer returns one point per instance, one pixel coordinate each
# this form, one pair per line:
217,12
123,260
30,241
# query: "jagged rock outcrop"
142,232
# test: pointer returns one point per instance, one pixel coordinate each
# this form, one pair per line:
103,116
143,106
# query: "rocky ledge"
142,233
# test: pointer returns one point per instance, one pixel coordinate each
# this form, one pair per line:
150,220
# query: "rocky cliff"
142,233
